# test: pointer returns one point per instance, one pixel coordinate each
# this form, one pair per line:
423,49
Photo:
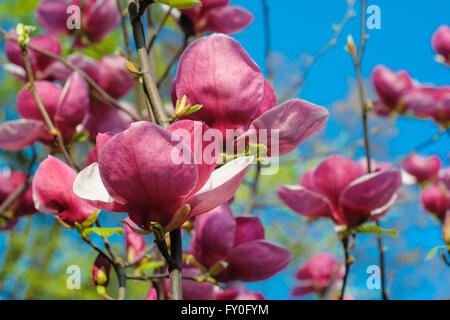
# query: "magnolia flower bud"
100,271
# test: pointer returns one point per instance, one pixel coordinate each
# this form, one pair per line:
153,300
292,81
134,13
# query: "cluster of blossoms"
342,190
435,183
399,94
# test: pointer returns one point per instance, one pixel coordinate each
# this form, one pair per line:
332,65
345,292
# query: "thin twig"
311,60
158,30
364,113
173,61
141,257
268,42
347,266
137,87
48,121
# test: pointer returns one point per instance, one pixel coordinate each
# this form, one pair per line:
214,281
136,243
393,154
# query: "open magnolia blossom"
398,93
40,63
390,87
98,18
23,206
216,72
155,175
66,107
341,190
422,168
319,274
441,43
53,194
240,249
436,196
215,16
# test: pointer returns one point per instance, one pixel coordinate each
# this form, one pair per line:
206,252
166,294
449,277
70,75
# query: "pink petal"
101,140
152,294
307,179
441,42
333,175
101,18
206,245
305,202
48,43
221,186
49,94
19,134
227,19
73,105
52,16
215,71
368,193
150,171
52,191
204,145
248,229
269,100
114,77
295,121
255,261
302,291
422,168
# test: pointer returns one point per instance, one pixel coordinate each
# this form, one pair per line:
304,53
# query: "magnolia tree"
100,131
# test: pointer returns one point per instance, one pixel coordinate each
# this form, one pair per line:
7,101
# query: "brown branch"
156,32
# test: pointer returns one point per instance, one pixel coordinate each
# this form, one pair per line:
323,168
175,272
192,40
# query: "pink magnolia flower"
159,175
430,102
241,246
216,72
318,274
98,18
100,271
441,42
53,194
239,293
215,16
341,190
23,206
422,168
135,243
66,107
436,198
390,87
40,63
